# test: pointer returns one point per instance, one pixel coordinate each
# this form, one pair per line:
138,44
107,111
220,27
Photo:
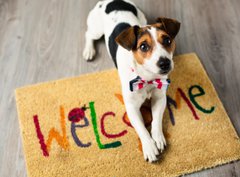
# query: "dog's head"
153,45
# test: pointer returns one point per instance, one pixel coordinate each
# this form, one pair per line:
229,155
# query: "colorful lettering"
61,140
103,129
200,93
74,135
188,103
94,122
77,116
169,102
40,136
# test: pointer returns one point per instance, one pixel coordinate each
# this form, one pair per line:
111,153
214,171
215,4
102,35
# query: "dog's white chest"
146,92
149,90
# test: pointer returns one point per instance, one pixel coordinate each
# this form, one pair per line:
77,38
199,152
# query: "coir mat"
79,127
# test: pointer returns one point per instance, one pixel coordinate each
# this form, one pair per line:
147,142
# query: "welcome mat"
79,127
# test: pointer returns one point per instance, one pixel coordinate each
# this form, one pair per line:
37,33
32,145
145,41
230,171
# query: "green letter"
192,98
95,129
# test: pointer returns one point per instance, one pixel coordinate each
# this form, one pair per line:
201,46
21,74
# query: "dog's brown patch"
160,37
158,26
143,37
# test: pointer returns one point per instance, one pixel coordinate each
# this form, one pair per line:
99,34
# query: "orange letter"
61,139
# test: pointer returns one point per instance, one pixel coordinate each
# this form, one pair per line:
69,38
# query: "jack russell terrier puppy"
143,55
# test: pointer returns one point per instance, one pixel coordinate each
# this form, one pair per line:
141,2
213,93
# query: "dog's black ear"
171,26
128,37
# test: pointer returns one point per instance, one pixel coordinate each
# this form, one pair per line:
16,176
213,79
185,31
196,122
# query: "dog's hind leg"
95,30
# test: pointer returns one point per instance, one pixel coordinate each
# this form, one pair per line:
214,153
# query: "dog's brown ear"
128,38
171,26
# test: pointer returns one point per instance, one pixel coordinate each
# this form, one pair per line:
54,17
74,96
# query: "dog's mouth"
165,72
161,72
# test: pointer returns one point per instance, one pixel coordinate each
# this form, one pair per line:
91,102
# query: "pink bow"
138,83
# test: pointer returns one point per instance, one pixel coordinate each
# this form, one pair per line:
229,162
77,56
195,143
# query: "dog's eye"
166,41
144,47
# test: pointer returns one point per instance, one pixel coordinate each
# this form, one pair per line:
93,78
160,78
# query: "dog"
143,55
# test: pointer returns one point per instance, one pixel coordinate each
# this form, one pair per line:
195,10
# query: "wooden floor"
42,40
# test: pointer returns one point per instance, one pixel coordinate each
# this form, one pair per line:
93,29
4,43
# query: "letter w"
53,134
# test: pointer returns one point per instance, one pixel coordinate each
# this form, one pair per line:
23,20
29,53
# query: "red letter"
103,129
40,136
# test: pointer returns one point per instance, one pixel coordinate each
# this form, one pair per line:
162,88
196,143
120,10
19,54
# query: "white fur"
99,23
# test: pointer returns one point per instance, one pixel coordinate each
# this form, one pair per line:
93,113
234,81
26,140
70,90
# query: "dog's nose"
164,63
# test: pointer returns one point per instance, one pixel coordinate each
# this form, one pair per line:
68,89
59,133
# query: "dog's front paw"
88,52
150,151
159,139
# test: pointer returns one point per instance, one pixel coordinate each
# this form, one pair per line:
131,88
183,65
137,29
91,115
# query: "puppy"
143,55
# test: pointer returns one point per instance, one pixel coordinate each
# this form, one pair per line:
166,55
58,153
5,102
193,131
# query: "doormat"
79,127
